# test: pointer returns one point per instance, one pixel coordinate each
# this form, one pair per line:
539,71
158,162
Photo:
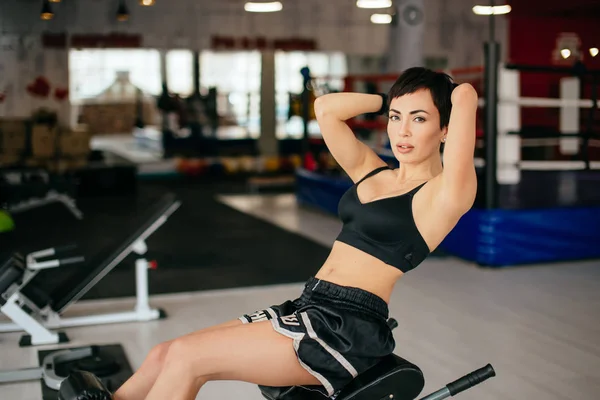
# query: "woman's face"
414,127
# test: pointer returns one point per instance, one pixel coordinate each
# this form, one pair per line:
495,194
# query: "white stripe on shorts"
297,338
326,384
336,354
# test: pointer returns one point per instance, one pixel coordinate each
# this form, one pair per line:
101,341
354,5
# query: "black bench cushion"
85,276
11,271
393,375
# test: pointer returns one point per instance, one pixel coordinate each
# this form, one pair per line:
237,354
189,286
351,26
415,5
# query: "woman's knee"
158,354
185,355
178,351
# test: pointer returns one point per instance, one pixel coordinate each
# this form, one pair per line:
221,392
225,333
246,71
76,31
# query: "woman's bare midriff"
348,266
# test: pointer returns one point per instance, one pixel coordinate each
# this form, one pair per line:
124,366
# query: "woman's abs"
348,266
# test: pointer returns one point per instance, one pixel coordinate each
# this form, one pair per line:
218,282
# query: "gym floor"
537,325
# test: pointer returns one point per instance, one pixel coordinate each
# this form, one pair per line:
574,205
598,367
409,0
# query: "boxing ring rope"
509,140
544,102
529,165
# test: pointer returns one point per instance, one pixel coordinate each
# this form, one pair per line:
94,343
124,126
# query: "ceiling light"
373,3
272,6
565,53
147,2
594,51
495,10
54,1
122,12
46,13
381,18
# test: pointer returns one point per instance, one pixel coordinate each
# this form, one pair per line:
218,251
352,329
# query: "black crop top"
383,228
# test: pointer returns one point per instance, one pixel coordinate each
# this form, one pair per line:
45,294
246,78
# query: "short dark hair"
440,86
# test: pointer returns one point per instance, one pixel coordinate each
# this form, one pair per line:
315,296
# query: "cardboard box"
75,142
13,135
117,117
43,141
35,162
7,160
62,165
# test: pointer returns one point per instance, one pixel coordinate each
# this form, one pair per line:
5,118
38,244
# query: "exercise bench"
37,311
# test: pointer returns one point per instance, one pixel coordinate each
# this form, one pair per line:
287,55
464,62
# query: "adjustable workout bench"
36,311
393,378
20,193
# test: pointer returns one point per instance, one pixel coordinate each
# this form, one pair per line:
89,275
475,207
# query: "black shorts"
338,331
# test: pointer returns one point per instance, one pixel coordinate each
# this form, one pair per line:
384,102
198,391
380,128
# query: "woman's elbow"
464,93
321,108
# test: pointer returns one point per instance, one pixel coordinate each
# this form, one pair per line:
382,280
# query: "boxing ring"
542,210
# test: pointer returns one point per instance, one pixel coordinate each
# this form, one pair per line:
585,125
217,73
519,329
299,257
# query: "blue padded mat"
320,191
511,237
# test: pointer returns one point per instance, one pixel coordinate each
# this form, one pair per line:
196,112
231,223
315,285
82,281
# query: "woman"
393,218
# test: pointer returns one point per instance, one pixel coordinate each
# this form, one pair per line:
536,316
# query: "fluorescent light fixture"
594,51
565,53
381,18
489,10
373,3
272,6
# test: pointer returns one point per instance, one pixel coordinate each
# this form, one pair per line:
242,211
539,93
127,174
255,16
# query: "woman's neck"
421,172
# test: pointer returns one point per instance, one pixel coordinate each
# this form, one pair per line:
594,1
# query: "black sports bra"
383,228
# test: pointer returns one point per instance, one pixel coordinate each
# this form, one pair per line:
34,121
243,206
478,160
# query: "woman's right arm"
332,110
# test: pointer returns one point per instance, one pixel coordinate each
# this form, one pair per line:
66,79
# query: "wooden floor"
539,326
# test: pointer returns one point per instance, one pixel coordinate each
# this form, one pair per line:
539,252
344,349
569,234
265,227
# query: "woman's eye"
420,119
394,118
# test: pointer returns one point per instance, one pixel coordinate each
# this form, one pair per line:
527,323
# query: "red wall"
532,40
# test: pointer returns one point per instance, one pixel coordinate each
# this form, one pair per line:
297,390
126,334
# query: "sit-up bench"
393,378
37,312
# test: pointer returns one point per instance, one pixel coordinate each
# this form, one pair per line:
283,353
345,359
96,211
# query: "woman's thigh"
252,353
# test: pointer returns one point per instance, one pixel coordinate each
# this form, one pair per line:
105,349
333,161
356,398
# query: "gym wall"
452,34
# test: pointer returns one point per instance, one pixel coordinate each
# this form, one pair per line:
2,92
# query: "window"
180,72
236,76
93,71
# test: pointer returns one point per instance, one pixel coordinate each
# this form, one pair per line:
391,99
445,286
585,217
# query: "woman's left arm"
459,180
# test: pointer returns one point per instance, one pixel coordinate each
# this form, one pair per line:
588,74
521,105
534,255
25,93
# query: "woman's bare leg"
252,353
138,385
